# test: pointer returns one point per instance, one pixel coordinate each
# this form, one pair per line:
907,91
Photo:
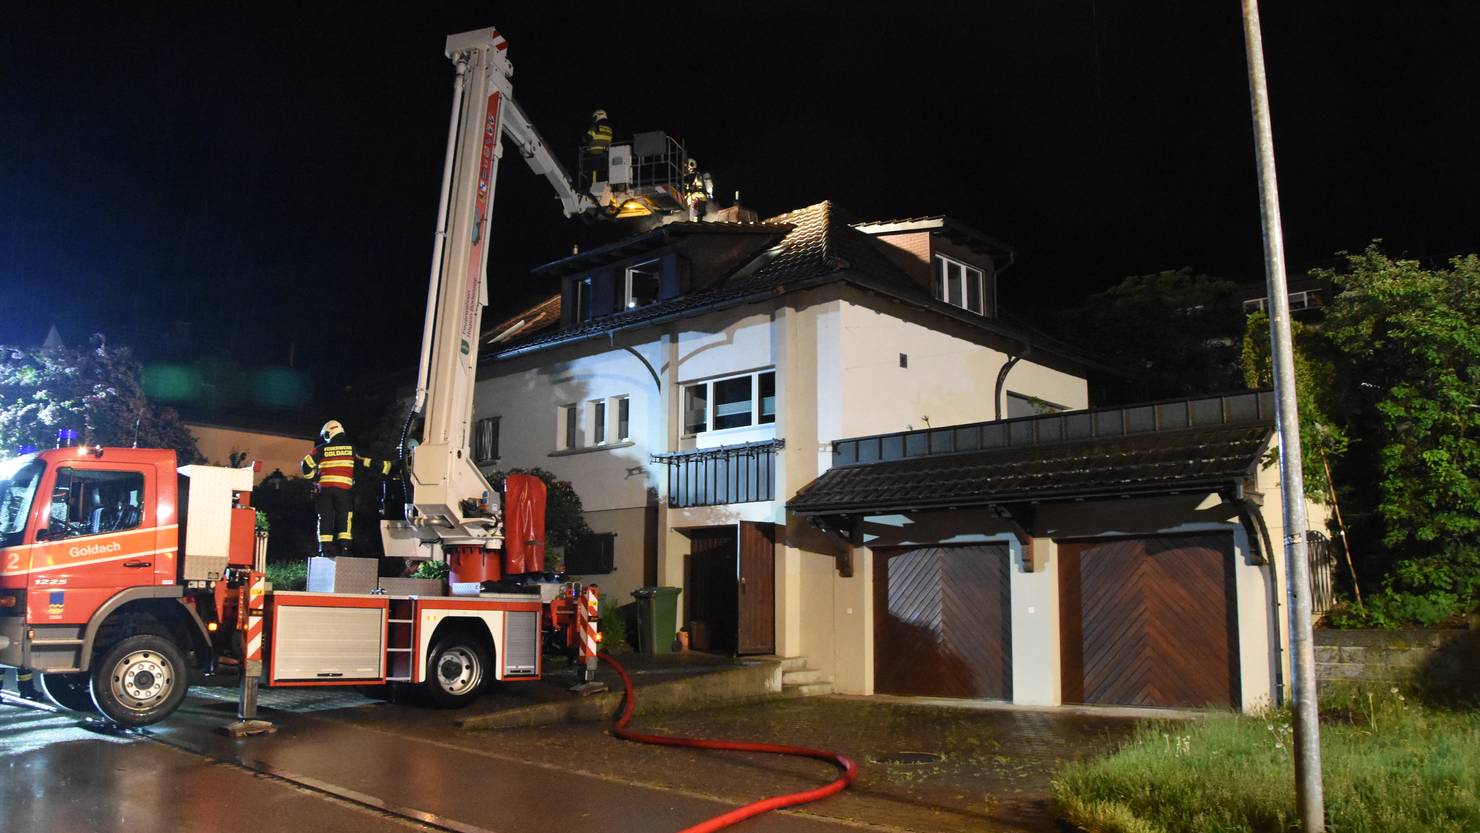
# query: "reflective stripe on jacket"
598,137
333,465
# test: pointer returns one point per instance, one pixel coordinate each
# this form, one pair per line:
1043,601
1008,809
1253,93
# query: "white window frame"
708,384
627,302
983,286
598,422
490,426
582,299
619,404
1038,404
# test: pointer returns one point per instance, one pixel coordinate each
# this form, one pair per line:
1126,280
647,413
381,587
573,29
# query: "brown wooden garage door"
1149,621
942,622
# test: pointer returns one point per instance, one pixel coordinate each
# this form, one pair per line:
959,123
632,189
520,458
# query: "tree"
1322,437
1408,342
565,518
1175,332
94,391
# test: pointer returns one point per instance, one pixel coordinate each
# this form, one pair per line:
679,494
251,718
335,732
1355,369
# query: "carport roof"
1144,449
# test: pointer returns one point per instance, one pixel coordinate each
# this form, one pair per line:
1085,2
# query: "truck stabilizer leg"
252,596
247,722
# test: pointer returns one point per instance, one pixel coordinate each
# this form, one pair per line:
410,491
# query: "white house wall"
948,380
836,359
612,479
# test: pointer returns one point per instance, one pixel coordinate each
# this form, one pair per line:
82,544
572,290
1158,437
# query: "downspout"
1002,375
1011,360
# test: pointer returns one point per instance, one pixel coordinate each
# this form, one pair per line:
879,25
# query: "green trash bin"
657,618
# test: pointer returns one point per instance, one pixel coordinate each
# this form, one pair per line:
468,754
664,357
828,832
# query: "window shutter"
673,277
604,292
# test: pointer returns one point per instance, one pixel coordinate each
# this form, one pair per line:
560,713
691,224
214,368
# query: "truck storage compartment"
325,640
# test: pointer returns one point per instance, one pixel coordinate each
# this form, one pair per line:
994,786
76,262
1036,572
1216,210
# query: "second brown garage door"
1149,621
942,622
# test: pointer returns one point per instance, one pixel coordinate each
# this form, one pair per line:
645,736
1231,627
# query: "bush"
613,627
432,569
288,575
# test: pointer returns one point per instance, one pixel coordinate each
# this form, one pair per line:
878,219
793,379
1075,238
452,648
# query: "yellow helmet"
331,429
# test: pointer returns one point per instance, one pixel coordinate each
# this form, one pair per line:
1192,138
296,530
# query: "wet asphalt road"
56,775
341,761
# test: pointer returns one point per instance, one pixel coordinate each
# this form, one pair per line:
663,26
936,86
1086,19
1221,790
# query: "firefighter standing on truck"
332,465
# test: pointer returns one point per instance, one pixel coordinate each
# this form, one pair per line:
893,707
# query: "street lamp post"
1308,789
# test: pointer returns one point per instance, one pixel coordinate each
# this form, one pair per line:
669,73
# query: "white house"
701,375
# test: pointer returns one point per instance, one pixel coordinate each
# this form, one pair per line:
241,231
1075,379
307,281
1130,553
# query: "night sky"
246,190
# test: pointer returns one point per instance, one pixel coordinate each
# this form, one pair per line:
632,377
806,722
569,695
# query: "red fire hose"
850,769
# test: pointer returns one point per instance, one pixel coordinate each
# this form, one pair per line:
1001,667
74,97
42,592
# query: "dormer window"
961,286
643,280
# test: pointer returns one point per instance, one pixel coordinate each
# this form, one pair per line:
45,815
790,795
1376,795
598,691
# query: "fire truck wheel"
70,691
455,671
140,680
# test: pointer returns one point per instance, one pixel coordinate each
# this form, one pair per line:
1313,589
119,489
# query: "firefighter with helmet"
695,190
594,145
332,465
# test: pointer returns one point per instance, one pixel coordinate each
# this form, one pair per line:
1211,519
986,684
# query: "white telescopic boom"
451,501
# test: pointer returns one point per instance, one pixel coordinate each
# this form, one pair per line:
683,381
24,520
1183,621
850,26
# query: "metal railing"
657,160
717,476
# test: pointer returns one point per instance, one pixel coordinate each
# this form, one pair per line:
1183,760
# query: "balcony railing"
717,476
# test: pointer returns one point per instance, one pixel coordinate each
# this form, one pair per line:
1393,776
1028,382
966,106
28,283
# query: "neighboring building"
1308,297
271,450
700,373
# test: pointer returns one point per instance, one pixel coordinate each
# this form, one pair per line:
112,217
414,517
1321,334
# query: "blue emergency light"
66,437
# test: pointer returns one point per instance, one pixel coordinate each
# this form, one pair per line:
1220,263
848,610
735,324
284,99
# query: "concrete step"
807,690
804,677
793,663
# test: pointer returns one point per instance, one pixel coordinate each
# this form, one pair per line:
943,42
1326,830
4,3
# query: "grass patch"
1390,765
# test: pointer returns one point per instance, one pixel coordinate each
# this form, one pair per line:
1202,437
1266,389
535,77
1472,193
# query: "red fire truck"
124,577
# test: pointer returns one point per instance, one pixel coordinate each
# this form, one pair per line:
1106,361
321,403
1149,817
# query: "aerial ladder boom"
451,501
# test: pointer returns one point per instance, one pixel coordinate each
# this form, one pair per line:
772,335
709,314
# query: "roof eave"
997,499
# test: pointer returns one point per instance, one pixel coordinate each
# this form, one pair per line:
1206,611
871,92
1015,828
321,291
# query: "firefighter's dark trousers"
336,521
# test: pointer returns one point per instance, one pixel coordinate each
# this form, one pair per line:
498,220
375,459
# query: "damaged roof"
1161,447
812,243
815,245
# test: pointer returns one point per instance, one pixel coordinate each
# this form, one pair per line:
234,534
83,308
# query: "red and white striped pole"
588,638
251,599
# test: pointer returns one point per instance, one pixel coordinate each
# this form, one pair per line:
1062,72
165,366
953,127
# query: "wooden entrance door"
710,588
943,622
1149,621
756,628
